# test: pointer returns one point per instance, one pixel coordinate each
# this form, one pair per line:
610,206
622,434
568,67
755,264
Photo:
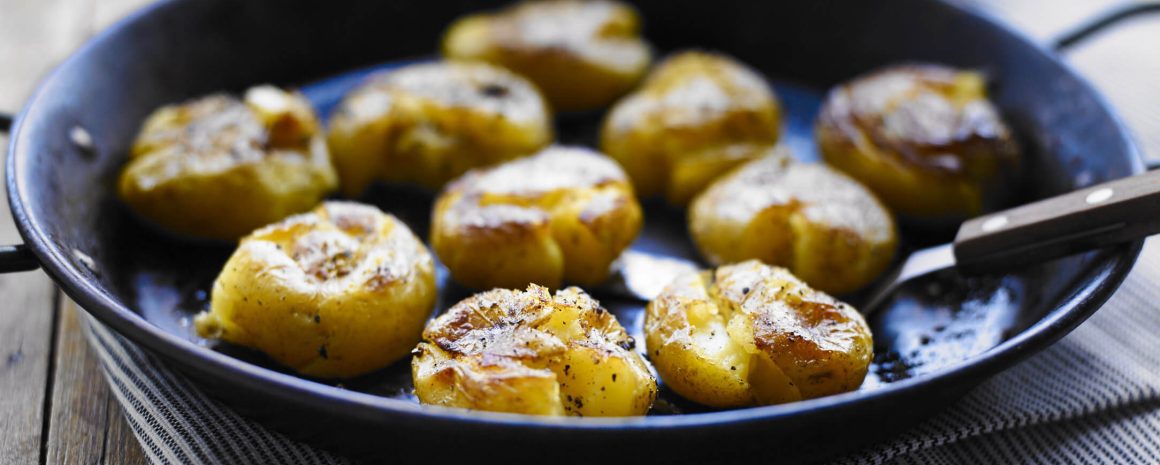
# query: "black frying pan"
938,339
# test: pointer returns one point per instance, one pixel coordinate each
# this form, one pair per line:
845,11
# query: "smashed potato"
752,334
334,293
824,226
695,117
218,168
428,123
581,54
533,353
562,215
923,137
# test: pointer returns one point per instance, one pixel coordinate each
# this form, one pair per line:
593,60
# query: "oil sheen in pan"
930,325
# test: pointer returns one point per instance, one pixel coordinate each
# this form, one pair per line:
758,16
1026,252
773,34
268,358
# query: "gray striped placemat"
1094,397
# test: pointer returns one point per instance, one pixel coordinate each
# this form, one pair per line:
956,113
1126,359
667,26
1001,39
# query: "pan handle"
14,257
1108,18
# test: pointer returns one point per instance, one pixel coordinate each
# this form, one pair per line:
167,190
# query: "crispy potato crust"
334,293
218,168
534,353
925,138
581,54
428,123
562,215
824,226
751,334
696,116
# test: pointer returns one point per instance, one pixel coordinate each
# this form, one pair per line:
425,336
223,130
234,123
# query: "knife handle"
1110,213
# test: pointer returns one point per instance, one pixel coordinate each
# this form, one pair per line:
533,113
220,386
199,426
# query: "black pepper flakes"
322,352
494,90
317,319
614,377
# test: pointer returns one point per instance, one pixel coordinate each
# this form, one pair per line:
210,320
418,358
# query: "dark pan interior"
65,203
933,324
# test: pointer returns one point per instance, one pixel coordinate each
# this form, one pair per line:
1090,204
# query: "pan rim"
97,301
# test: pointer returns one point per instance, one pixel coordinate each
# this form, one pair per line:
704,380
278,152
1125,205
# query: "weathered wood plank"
33,36
25,347
86,425
78,420
107,12
36,35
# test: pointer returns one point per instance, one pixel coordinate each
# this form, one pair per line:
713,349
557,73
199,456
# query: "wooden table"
56,408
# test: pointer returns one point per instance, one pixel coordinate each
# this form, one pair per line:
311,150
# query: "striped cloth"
1094,397
175,423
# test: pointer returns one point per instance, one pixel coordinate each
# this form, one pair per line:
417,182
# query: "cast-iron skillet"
936,341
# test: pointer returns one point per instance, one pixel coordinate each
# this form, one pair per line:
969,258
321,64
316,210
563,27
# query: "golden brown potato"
334,293
562,215
529,352
428,123
581,54
753,334
923,137
695,117
218,168
824,226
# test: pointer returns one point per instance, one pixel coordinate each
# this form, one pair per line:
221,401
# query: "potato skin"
334,293
923,137
534,353
751,334
428,123
582,54
562,215
696,116
218,168
821,224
